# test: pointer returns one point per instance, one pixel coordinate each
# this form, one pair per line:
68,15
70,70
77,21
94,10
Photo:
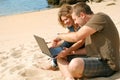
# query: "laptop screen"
42,45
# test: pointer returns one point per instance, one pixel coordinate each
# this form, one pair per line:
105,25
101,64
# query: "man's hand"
55,42
63,53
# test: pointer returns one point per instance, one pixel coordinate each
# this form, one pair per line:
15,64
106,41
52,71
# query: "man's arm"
81,34
74,47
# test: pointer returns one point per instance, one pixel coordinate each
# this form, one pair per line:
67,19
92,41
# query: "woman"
65,19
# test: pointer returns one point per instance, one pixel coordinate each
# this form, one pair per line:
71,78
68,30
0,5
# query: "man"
101,45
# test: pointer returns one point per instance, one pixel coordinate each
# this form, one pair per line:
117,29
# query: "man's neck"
89,17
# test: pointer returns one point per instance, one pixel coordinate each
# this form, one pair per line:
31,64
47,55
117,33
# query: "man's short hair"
82,7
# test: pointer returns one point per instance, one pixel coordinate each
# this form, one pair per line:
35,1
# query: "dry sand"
20,56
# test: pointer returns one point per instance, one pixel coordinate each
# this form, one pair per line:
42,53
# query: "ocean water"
10,7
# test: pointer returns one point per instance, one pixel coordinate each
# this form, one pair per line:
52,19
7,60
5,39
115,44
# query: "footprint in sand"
1,60
3,56
4,64
16,68
29,72
16,53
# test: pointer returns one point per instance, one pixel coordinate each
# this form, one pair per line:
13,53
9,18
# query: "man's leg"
76,67
63,67
72,69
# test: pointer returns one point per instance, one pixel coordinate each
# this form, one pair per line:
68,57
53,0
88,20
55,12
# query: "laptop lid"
42,45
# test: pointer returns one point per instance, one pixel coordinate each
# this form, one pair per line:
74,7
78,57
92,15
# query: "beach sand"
20,56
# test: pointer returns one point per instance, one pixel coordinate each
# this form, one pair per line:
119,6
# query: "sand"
20,56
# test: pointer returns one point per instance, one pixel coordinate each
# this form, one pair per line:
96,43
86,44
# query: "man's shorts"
95,67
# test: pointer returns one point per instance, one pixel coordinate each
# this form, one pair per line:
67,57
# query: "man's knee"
76,67
76,63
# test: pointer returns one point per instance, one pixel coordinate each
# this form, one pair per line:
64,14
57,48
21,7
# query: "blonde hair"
65,10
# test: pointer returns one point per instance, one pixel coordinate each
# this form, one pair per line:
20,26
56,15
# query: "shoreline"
25,12
14,7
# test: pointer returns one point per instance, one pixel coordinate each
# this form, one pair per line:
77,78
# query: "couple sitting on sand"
89,48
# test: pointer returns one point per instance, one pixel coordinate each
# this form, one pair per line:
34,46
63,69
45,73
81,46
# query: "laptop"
51,52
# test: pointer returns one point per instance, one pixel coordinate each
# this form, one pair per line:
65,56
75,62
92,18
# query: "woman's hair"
65,10
82,7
